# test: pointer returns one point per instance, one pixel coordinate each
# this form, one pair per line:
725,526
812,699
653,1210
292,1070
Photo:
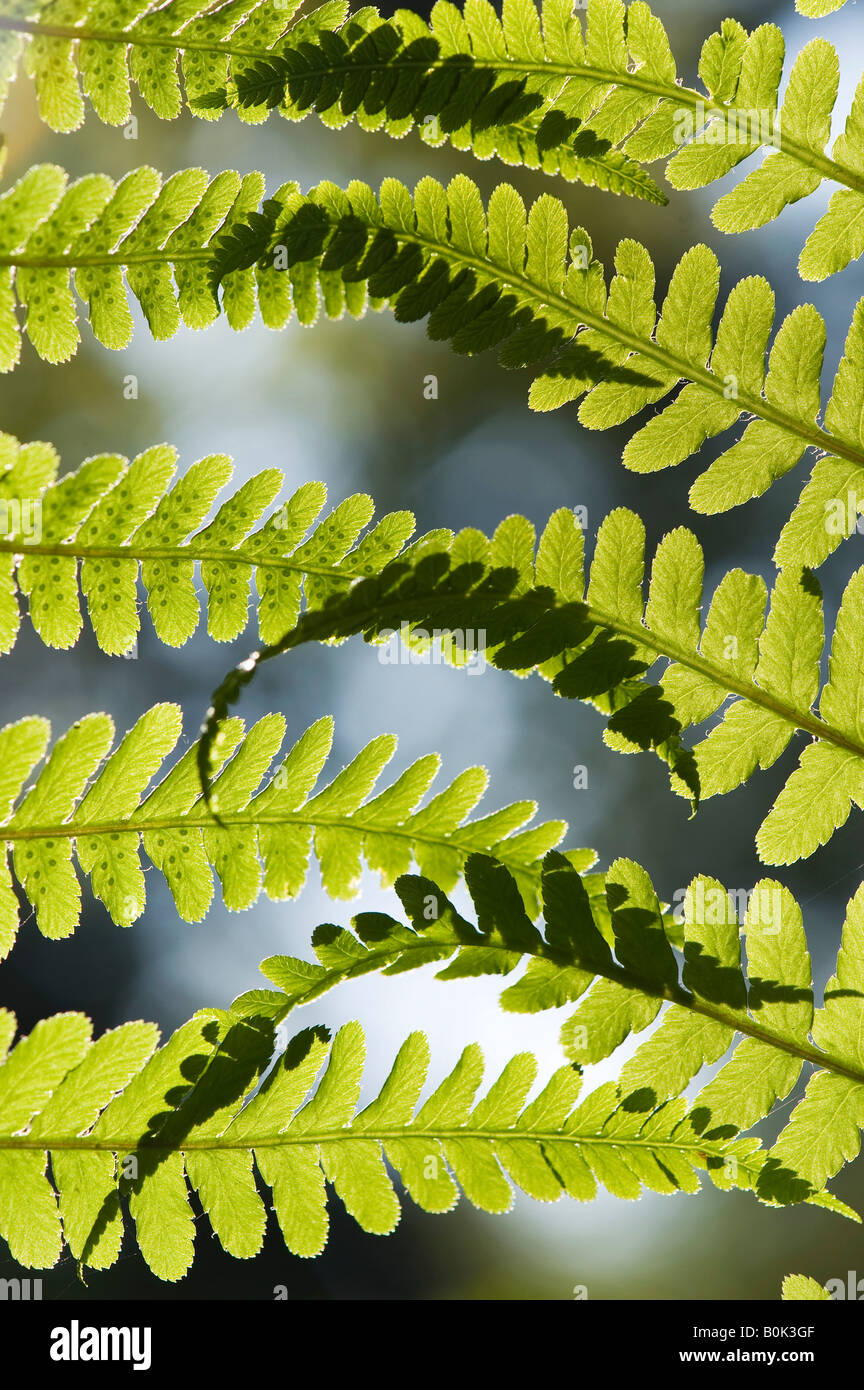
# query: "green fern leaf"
544,306
102,813
624,967
497,277
112,521
799,1287
601,644
529,86
123,1125
485,86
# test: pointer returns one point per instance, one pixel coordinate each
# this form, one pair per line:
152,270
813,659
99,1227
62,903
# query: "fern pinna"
531,86
89,1106
266,827
597,642
500,277
109,520
624,965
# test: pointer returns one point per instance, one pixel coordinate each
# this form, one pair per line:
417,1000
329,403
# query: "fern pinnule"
800,1287
818,9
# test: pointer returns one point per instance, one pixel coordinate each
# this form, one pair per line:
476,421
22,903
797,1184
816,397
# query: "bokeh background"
344,403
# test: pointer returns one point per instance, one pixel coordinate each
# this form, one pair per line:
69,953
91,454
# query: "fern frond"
160,235
527,285
620,82
624,967
599,643
799,1287
118,1121
530,87
112,521
97,811
486,88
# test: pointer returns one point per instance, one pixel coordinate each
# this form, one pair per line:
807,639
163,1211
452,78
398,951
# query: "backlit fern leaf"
530,86
122,1125
528,285
158,234
101,813
624,966
755,676
799,1287
464,79
818,9
524,283
111,520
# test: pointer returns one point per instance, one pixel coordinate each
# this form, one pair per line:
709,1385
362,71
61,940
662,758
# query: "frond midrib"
71,830
187,551
382,1134
684,370
641,636
828,168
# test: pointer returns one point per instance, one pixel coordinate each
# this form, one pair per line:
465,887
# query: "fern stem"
12,834
77,261
129,39
382,1135
641,636
666,91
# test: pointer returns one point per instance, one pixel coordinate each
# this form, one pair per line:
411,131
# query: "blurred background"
345,403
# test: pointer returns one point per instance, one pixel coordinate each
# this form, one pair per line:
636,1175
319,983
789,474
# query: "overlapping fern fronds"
524,283
101,813
111,520
531,86
527,603
527,284
486,89
123,1125
623,983
620,82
